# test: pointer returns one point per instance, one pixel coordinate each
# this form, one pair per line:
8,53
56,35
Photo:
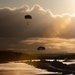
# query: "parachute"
41,48
28,18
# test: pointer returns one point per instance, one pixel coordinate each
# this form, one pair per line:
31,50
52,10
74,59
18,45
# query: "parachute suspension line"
27,25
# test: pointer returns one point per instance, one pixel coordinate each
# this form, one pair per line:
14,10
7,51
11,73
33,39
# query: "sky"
52,25
56,6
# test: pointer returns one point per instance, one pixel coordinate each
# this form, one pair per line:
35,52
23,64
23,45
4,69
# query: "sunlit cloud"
61,24
52,45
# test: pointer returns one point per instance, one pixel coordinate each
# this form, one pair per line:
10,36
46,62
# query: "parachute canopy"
41,48
28,17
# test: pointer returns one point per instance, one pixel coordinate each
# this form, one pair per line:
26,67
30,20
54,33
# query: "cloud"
13,24
43,25
52,45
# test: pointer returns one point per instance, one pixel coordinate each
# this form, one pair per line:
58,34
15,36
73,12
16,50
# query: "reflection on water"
13,68
22,72
20,69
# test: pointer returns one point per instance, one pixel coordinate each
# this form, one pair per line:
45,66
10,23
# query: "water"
13,68
20,69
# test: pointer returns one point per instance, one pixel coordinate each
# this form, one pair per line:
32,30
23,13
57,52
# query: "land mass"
6,56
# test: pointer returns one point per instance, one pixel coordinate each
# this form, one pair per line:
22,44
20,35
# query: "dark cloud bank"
56,32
